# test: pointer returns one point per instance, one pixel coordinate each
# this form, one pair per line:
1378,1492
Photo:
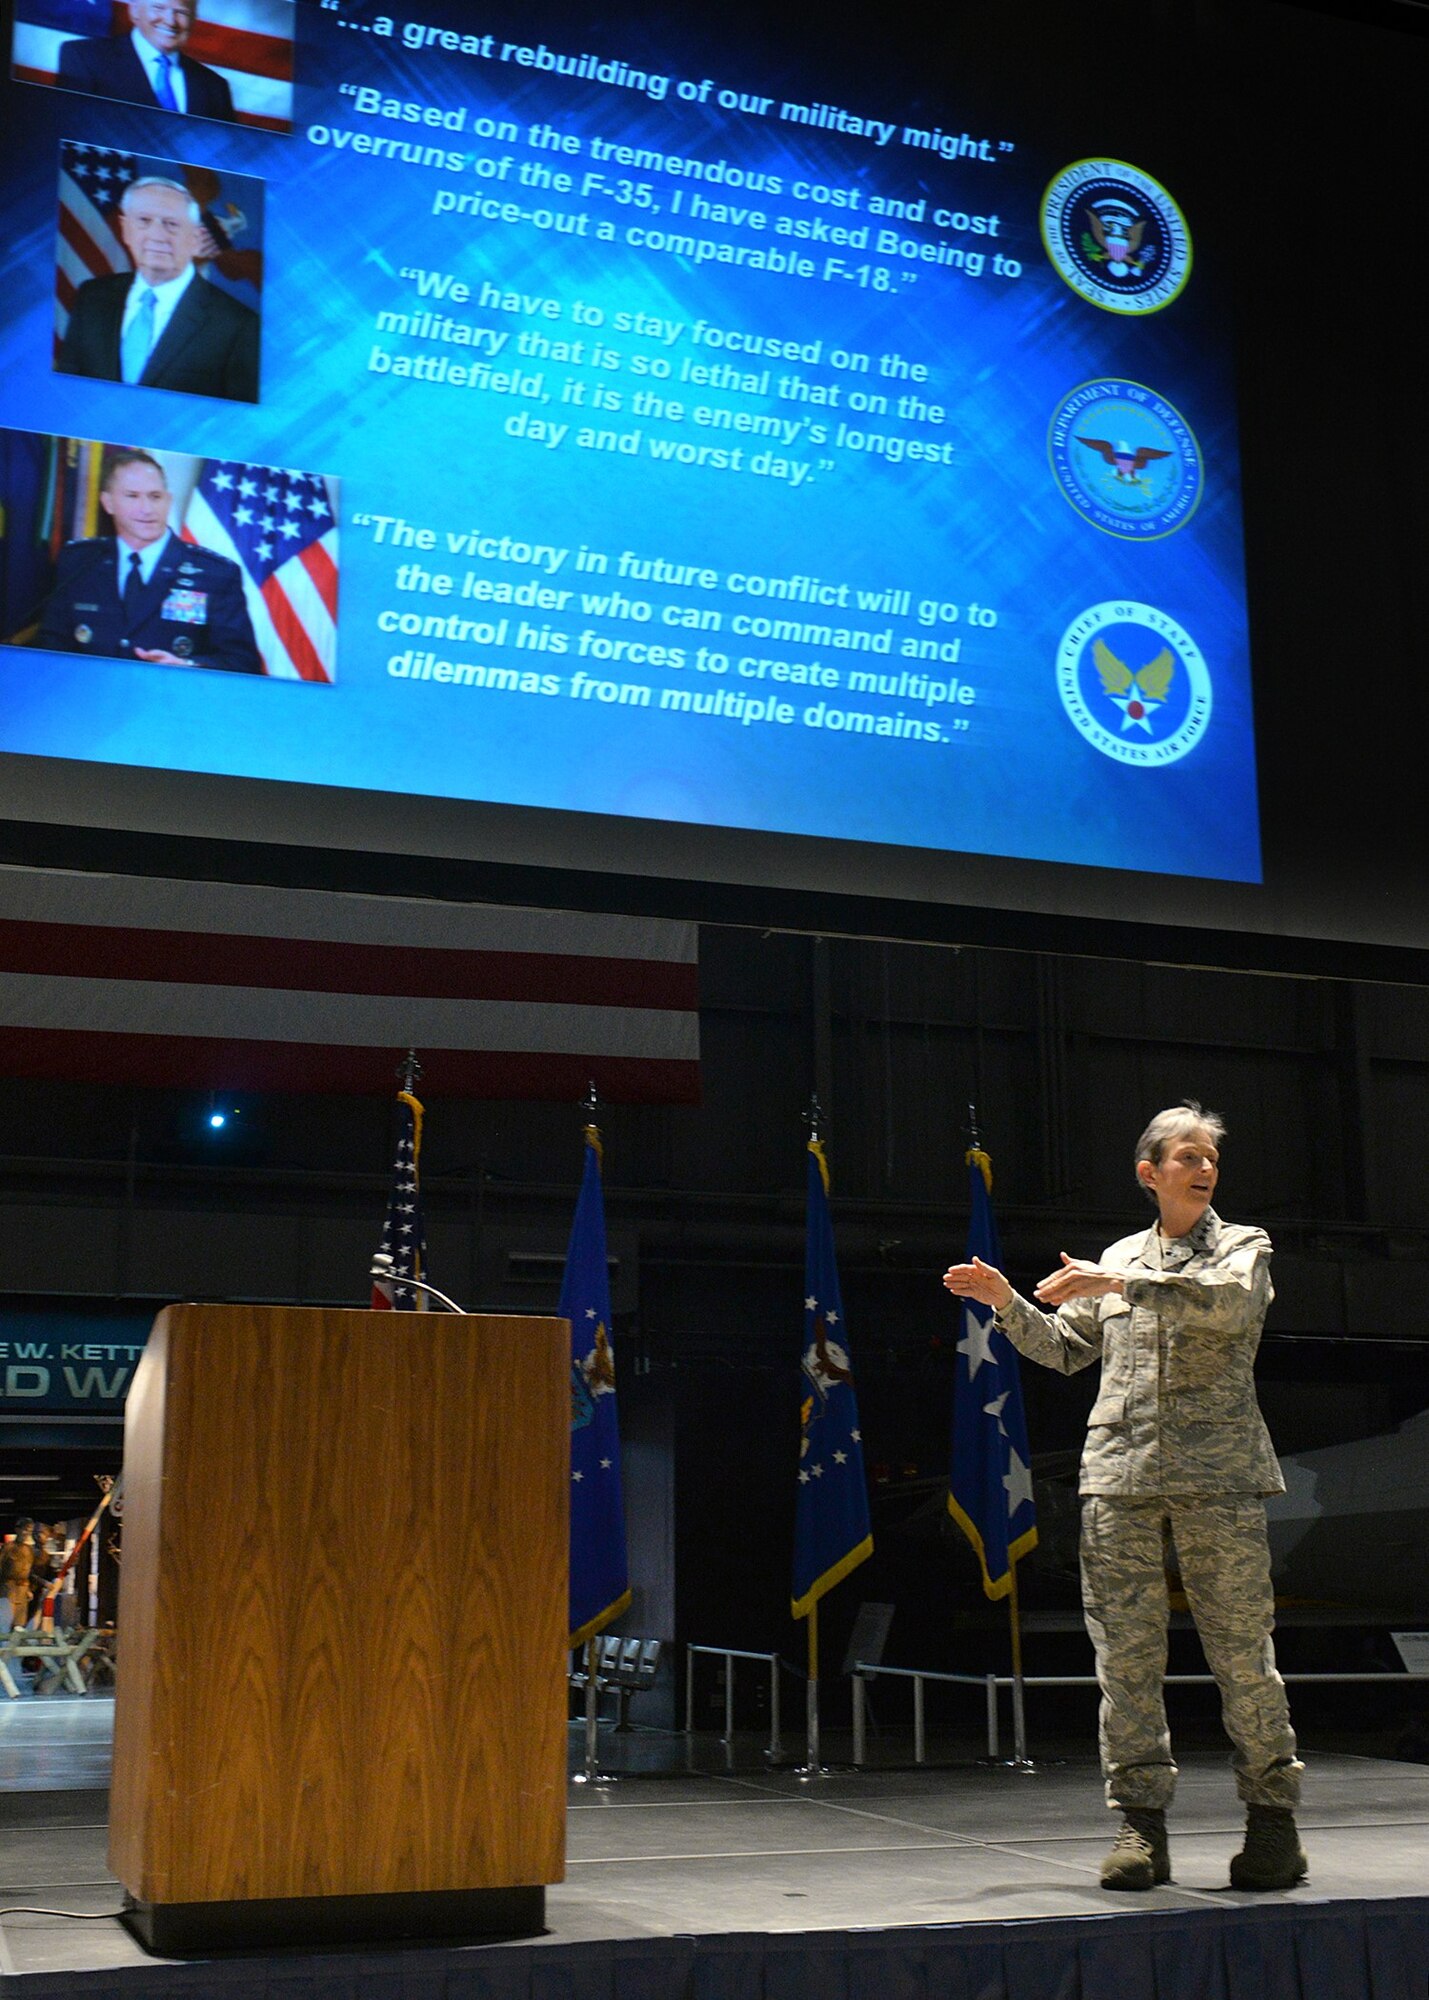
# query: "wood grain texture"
344,1617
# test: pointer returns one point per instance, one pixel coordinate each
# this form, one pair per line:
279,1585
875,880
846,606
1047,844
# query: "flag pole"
590,1772
812,1768
1020,1759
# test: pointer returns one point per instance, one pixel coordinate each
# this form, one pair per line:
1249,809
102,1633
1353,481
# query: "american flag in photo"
92,178
281,529
250,42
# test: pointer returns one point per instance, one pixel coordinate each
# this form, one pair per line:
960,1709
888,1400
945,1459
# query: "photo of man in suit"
148,65
163,325
142,593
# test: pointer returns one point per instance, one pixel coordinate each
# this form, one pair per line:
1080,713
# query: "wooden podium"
341,1699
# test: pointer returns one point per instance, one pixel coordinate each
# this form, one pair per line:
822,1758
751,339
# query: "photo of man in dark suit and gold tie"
163,323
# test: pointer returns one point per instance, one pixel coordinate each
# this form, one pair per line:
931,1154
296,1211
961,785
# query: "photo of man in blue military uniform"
141,593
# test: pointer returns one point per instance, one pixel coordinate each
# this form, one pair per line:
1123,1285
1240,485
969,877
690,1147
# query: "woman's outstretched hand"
979,1281
1077,1278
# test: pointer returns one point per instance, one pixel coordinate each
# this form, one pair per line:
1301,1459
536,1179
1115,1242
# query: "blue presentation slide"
477,407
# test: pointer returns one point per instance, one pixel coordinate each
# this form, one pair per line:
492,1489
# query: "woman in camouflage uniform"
1176,1449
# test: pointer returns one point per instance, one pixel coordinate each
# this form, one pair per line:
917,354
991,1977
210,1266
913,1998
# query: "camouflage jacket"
1176,1414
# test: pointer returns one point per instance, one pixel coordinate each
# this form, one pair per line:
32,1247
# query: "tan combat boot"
1140,1856
1272,1857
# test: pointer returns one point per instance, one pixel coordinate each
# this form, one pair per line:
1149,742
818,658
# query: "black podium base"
197,1930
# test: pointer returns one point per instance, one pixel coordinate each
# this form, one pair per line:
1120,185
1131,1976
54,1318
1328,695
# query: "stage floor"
664,1855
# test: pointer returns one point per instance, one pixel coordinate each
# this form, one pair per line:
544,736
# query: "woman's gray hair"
1170,1125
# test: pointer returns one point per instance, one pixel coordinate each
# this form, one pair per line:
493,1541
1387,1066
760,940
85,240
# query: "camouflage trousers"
1224,1560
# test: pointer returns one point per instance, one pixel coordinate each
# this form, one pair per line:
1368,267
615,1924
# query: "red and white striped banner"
221,986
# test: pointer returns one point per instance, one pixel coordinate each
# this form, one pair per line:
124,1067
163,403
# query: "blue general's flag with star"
990,1491
832,1534
600,1583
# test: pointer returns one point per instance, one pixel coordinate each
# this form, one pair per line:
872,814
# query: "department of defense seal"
1126,459
1134,683
1115,236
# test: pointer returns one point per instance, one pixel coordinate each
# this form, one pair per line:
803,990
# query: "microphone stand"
384,1272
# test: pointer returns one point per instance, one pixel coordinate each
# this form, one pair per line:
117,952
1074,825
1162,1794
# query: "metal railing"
919,1677
992,1683
729,1654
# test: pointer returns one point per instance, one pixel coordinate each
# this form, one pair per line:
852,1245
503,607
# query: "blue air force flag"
831,1529
990,1491
600,1588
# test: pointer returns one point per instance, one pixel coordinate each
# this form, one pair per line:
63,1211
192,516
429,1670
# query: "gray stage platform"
671,1856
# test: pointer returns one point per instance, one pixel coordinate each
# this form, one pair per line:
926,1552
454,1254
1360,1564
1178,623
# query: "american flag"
249,42
92,178
280,528
404,1233
175,985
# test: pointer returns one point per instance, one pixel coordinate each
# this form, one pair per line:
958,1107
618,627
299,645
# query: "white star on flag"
810,1304
1018,1481
994,1409
976,1342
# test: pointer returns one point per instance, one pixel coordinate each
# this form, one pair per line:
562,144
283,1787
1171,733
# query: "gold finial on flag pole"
590,1105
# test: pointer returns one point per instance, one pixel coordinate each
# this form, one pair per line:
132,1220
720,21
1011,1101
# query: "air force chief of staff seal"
143,594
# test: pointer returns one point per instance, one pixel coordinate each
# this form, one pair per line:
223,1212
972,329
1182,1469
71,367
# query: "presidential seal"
1126,459
1134,683
1115,236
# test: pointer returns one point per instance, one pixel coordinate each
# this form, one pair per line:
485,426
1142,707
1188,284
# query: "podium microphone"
384,1272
